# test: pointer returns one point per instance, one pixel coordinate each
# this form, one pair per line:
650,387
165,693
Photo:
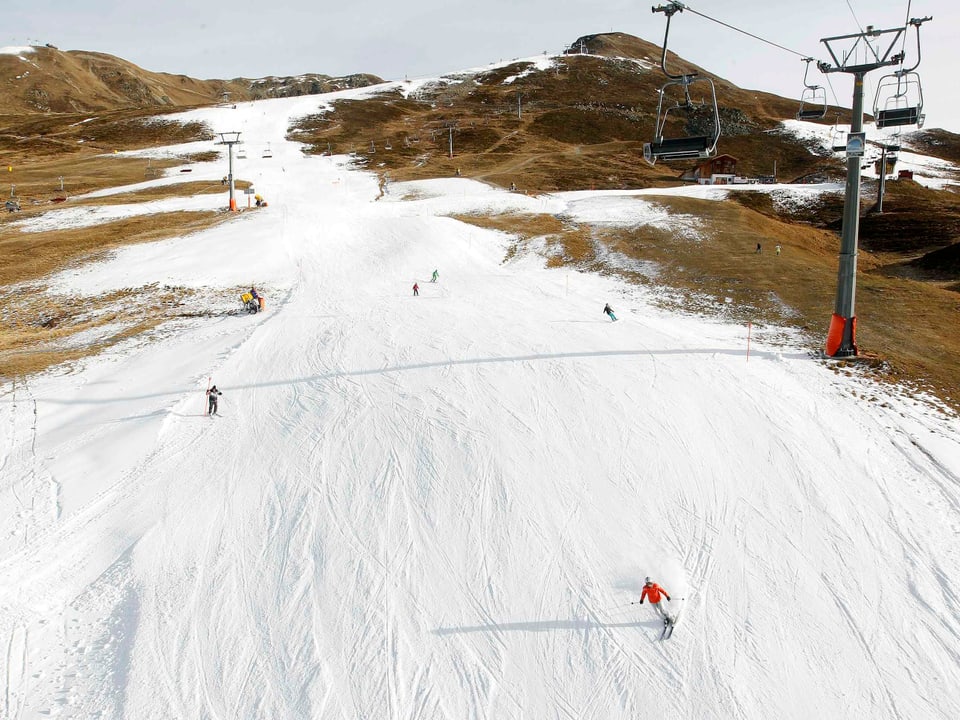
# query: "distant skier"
213,396
416,289
435,276
256,298
759,248
653,592
778,248
609,311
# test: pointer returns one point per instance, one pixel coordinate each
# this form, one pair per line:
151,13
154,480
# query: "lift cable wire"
906,24
836,100
855,19
750,34
833,92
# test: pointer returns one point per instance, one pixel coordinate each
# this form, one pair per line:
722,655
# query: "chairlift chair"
686,146
838,137
813,100
267,153
899,100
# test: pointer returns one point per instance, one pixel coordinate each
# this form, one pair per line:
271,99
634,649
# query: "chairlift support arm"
885,59
916,22
687,146
670,9
806,70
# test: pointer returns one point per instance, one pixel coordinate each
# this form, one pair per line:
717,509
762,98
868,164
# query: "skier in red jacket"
653,592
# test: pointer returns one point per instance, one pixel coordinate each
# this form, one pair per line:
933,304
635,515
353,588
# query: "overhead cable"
833,92
855,19
749,34
906,24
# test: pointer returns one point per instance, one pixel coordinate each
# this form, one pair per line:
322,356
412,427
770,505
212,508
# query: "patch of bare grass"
30,256
906,328
40,329
161,192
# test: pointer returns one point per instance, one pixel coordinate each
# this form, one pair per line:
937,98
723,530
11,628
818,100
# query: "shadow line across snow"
428,365
543,626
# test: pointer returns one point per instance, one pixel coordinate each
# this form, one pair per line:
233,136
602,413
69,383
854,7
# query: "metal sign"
856,142
249,191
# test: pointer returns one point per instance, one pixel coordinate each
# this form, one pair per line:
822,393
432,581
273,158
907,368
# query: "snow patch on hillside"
17,50
88,215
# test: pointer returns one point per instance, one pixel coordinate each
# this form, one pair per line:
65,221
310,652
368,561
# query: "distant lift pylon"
684,146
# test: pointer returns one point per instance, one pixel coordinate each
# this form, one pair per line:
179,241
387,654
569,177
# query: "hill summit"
46,79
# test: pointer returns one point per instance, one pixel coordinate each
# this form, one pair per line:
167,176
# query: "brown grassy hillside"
49,80
580,124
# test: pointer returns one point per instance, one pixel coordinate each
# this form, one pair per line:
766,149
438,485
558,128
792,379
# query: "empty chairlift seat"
813,101
898,116
679,148
899,100
688,146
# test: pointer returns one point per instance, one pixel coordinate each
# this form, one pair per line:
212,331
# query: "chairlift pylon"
899,98
813,100
686,146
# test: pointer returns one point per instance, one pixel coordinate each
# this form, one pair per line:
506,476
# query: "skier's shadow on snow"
442,364
544,626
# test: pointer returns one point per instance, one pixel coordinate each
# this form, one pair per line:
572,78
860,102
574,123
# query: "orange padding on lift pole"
835,334
233,204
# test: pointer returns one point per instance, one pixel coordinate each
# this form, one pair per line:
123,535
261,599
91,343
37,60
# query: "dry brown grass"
583,126
161,192
36,328
37,184
30,256
908,326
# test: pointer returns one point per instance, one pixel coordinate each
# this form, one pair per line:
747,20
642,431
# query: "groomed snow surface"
443,506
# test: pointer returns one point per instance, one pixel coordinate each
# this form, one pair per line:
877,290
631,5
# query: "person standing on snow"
653,593
213,396
416,289
435,276
609,311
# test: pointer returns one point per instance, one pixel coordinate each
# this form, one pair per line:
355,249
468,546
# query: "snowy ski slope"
442,506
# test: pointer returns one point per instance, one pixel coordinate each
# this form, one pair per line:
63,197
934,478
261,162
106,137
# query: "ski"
669,623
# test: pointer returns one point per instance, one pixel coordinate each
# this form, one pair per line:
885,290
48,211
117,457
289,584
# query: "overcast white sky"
428,37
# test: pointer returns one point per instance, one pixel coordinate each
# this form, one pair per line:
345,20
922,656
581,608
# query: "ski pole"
614,607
